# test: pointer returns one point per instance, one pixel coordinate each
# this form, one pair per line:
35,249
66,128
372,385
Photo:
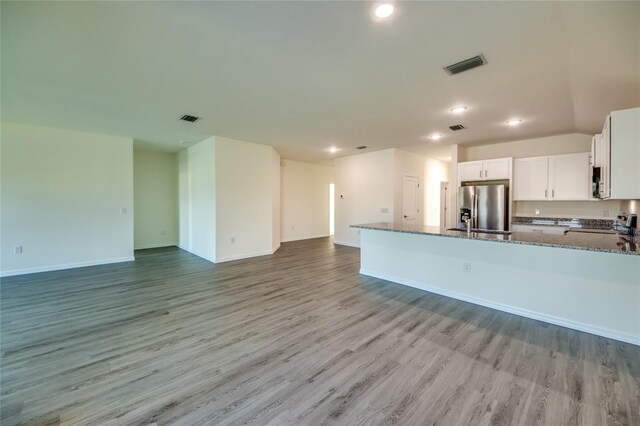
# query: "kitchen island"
588,282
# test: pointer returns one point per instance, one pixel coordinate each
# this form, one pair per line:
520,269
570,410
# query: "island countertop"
607,243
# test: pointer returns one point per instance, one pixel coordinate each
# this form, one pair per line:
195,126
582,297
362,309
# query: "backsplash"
566,222
604,209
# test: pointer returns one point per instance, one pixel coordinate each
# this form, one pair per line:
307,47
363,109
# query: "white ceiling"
303,76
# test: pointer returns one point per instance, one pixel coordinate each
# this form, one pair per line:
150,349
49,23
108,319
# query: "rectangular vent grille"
457,127
189,118
466,65
361,147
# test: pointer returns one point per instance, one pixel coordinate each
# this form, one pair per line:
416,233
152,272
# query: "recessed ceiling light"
436,136
383,10
514,122
458,109
333,150
182,142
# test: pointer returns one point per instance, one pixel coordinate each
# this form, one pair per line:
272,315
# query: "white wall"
155,199
197,197
305,200
183,199
364,185
276,200
247,181
552,145
374,181
406,163
435,172
62,195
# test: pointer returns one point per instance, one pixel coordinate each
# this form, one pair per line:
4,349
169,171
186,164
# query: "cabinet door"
470,170
624,136
569,177
497,169
530,178
605,159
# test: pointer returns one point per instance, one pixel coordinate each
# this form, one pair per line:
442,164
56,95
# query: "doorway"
332,223
444,201
410,199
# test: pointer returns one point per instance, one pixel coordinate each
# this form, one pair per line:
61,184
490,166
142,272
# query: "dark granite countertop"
607,243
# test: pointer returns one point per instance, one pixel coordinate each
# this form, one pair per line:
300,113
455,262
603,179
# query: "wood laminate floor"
297,338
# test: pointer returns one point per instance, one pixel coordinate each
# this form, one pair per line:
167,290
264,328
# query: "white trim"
275,248
343,243
65,266
598,331
156,245
306,238
243,256
200,255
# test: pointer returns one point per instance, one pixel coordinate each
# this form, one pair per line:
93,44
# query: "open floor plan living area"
320,213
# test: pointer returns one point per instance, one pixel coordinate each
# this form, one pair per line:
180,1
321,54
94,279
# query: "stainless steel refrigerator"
487,206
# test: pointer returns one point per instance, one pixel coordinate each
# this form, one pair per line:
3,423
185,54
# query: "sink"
481,231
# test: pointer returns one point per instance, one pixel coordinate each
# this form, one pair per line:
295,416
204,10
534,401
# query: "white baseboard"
275,248
306,237
65,266
343,243
635,340
157,245
243,256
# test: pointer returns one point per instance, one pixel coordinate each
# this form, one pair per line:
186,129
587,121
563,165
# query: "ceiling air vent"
466,65
361,147
189,118
457,127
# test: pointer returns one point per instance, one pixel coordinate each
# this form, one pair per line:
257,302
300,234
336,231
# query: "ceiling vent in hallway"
361,147
466,65
189,118
457,127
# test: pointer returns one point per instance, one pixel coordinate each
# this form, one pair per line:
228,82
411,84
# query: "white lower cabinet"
557,177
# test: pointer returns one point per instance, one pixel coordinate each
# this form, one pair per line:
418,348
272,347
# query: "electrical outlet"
292,227
163,232
384,210
17,250
233,240
123,210
466,267
606,213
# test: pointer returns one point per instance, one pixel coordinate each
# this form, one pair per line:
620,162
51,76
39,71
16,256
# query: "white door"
444,201
410,199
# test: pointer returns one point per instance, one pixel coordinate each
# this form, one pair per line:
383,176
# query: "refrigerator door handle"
474,213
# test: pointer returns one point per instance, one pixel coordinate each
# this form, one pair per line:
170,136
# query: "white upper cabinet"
558,177
499,168
569,177
530,178
622,133
470,170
